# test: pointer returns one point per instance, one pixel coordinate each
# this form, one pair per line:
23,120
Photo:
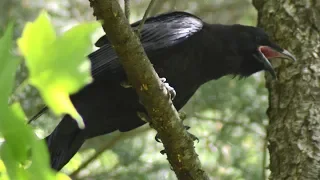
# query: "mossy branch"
178,144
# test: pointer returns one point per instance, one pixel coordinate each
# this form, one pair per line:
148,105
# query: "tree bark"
164,117
294,111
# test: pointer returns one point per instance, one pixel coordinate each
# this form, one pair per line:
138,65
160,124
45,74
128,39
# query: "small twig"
96,155
146,13
127,9
119,174
107,146
43,109
159,5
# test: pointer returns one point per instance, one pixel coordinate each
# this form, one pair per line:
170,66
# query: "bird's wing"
158,32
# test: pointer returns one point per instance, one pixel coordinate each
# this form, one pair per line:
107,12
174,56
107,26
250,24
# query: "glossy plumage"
185,50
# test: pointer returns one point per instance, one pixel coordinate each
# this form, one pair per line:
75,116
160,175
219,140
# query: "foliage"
227,115
57,69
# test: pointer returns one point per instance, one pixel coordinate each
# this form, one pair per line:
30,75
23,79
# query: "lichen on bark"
294,106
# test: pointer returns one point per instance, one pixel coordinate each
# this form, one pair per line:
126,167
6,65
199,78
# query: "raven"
185,50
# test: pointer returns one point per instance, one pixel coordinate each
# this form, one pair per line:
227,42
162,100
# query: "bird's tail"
63,144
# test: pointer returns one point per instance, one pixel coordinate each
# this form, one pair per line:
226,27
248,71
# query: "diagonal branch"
119,138
145,16
165,119
127,9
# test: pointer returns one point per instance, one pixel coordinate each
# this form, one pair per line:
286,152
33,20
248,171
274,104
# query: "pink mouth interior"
269,52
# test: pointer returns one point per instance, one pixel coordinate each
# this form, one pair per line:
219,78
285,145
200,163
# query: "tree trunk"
294,111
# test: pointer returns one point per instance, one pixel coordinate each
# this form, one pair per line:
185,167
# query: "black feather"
185,50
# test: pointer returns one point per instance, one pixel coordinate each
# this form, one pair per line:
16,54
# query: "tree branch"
109,145
141,74
127,9
146,13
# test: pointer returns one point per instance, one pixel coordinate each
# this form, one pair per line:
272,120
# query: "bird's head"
256,49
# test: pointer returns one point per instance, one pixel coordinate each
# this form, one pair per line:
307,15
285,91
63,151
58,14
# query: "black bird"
185,50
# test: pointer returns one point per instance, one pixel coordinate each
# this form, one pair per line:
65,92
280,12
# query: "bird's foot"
163,152
157,138
126,84
171,92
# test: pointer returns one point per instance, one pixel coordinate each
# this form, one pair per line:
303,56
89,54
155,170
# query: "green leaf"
11,151
15,133
58,65
20,141
8,65
11,164
3,171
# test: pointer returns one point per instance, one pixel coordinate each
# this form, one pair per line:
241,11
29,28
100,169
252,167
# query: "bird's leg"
172,93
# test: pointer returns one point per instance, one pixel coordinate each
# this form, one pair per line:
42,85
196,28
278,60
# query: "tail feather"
63,145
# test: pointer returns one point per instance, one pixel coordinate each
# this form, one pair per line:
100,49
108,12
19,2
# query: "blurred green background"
227,115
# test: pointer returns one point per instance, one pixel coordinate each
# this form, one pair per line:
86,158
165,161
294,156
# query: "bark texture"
165,119
294,100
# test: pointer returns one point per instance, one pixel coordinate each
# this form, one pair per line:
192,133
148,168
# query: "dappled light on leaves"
58,67
21,146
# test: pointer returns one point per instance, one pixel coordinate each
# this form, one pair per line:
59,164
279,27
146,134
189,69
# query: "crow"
185,50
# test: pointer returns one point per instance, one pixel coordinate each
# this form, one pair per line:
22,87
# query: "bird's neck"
219,56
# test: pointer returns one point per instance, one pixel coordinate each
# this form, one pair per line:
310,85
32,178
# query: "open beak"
265,53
